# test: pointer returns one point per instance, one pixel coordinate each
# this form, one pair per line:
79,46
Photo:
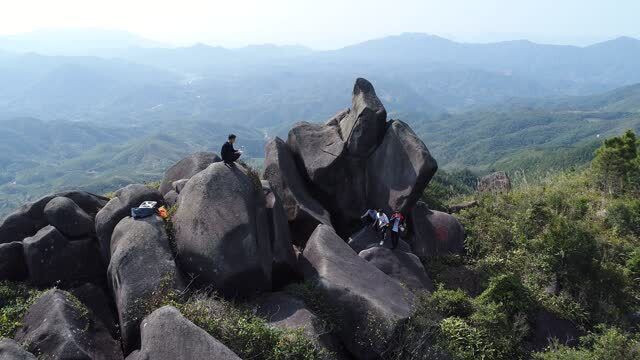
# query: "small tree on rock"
617,164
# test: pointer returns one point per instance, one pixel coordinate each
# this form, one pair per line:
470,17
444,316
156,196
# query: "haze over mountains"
147,104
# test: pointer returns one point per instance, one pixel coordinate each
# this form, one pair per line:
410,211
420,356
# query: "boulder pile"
243,236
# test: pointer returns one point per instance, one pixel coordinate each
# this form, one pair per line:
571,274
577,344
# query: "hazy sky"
326,24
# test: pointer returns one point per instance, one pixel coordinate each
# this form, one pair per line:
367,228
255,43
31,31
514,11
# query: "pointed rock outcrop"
363,128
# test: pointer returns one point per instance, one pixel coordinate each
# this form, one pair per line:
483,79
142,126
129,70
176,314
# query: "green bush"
246,334
616,166
452,303
569,249
317,302
15,300
419,339
508,291
155,185
488,334
466,342
633,266
604,344
624,217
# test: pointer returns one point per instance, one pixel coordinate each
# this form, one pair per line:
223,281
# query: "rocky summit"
286,243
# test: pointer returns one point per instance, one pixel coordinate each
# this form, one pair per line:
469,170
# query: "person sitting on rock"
397,226
382,222
228,153
369,218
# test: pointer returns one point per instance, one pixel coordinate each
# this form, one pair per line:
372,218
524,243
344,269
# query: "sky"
329,24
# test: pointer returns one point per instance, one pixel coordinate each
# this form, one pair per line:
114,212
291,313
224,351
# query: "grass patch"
15,300
246,334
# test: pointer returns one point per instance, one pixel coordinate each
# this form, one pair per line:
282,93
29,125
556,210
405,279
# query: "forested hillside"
38,156
567,245
533,138
534,135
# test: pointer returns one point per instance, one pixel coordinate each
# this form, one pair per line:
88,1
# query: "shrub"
633,266
624,217
464,341
155,185
15,300
253,174
452,303
246,334
508,291
318,303
604,344
616,164
569,249
419,338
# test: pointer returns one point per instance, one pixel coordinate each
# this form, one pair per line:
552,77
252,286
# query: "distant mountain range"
73,42
268,86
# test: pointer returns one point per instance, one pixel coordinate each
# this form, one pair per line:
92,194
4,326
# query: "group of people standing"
385,226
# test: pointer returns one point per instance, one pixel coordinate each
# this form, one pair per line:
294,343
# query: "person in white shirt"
382,222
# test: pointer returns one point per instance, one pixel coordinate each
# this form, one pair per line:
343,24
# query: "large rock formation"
142,268
435,233
186,168
167,335
117,209
222,231
357,160
372,306
61,327
239,237
51,258
30,218
303,210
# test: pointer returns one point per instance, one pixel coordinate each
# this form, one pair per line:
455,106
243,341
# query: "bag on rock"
146,209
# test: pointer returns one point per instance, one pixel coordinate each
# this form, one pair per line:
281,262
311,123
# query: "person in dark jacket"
396,227
228,153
